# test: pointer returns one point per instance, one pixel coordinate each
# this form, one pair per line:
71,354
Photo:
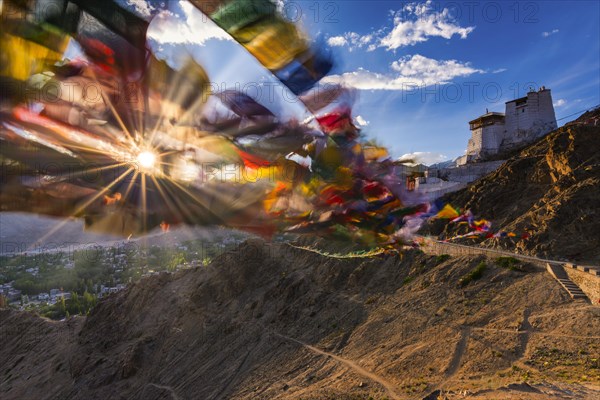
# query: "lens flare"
147,162
147,159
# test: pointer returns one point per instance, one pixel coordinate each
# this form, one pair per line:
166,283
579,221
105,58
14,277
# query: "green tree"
176,260
89,301
74,305
59,310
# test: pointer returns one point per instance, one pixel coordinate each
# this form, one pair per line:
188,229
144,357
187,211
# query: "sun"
146,159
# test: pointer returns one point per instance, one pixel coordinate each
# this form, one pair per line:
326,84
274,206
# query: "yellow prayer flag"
448,212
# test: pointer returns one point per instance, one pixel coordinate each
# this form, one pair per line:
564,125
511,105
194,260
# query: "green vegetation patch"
441,258
581,365
475,274
510,263
76,305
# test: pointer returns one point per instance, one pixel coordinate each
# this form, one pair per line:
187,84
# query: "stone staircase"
558,272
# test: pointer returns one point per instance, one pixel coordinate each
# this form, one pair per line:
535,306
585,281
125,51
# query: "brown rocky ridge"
270,321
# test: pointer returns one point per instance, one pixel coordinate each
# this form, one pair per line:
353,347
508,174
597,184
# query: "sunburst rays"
149,142
83,207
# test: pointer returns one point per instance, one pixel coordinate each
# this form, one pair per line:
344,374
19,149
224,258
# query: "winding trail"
167,388
459,352
540,333
389,387
524,332
234,376
454,364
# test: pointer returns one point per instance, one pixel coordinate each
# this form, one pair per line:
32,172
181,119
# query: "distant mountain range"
444,164
21,232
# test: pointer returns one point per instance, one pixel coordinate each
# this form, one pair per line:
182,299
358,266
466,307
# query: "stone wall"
528,119
590,284
492,138
437,248
434,188
469,172
485,140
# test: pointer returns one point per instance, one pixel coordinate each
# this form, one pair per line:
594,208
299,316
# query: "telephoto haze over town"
299,199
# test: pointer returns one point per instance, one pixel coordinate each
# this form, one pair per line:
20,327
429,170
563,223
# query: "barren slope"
275,322
552,188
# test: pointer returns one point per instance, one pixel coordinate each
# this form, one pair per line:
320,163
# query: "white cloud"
499,70
416,23
337,41
142,7
280,4
184,26
408,72
365,39
560,103
352,40
423,157
360,121
552,32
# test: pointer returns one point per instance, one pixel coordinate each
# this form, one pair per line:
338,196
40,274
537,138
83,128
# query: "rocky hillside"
551,188
271,321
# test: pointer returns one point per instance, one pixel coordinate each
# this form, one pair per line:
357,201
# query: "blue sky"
424,69
496,45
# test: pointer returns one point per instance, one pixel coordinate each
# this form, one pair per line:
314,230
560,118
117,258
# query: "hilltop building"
493,134
525,120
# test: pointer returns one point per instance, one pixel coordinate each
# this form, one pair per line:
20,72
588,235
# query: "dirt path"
524,331
234,376
535,333
389,387
167,388
455,361
459,352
